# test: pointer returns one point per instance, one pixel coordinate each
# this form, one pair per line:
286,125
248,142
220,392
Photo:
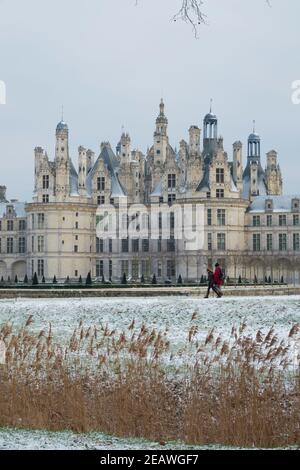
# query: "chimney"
3,194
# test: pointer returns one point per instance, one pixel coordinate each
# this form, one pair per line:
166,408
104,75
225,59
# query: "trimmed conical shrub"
43,280
16,279
88,281
142,279
179,279
154,280
54,280
35,280
240,279
80,280
124,279
25,279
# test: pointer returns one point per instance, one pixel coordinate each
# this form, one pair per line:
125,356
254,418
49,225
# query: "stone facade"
247,224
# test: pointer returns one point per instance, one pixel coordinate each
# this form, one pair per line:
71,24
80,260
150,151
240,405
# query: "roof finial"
211,103
254,126
62,112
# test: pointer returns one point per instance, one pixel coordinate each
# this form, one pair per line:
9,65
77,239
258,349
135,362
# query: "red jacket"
218,276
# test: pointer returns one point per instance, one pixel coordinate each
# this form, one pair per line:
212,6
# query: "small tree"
124,279
88,281
54,280
282,280
2,280
68,280
240,279
142,279
80,280
43,280
35,280
8,279
25,279
154,280
179,279
16,279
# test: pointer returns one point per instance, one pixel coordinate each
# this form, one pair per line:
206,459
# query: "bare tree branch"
191,12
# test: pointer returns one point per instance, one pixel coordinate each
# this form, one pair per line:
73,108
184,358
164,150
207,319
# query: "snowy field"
172,314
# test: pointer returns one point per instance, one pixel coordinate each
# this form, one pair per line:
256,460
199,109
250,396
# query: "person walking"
218,279
211,284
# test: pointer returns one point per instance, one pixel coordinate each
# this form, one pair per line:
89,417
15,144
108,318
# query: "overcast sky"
109,62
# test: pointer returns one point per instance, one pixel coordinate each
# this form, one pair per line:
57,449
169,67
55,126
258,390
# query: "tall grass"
243,391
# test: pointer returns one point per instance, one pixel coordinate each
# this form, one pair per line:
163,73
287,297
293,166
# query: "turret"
82,170
62,185
210,137
161,140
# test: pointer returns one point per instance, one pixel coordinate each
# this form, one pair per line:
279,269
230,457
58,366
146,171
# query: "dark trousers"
215,288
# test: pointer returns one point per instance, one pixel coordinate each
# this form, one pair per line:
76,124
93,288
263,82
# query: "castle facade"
247,224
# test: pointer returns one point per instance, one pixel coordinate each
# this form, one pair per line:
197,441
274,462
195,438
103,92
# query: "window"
125,267
221,217
159,269
160,221
296,242
172,220
0,245
171,198
40,267
40,240
22,225
110,245
269,242
269,220
32,268
75,248
208,195
221,241
0,225
159,244
171,245
125,245
45,181
135,245
171,182
32,221
220,193
296,219
101,183
99,245
220,175
99,268
256,242
256,221
10,245
10,225
145,245
209,217
45,198
171,270
41,221
282,242
76,225
22,245
32,244
282,220
76,273
110,268
101,200
209,241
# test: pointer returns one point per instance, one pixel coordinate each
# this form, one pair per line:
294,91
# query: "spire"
162,107
211,103
62,113
254,126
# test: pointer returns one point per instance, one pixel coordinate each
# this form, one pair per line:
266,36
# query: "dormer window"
269,205
295,205
220,175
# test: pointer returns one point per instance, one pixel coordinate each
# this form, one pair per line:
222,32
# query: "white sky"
109,62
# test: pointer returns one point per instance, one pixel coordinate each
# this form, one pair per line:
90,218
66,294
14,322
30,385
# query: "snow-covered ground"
173,314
